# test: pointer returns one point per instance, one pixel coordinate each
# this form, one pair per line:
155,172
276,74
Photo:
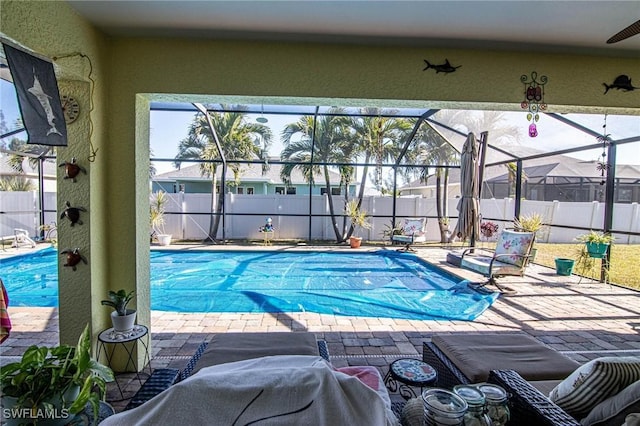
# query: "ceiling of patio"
566,26
545,26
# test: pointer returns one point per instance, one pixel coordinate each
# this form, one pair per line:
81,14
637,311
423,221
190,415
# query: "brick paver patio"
583,320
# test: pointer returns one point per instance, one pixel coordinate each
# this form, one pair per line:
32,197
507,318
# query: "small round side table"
114,339
406,373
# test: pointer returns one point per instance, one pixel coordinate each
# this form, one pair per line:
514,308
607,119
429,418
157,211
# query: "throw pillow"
593,382
614,410
512,246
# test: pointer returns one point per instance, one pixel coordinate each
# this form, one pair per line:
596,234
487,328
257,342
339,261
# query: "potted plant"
488,229
156,218
358,219
122,318
530,223
48,386
596,243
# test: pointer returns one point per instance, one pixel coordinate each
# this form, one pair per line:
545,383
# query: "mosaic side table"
406,373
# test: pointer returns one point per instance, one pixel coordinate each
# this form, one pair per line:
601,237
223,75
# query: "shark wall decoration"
445,68
622,82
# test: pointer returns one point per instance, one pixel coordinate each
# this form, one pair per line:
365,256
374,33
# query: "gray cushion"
479,353
231,347
613,411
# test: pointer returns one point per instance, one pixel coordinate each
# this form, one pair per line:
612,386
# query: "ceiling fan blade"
631,30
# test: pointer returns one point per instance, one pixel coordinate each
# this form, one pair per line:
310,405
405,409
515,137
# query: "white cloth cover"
276,390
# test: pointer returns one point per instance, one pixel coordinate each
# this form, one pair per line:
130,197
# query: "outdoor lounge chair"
466,358
413,231
21,238
510,257
232,347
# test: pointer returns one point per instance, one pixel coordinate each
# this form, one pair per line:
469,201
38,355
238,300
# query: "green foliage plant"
357,216
156,212
595,237
119,300
47,374
529,223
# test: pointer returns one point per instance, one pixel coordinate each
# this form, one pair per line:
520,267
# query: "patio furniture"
465,358
510,257
406,373
413,231
528,406
230,347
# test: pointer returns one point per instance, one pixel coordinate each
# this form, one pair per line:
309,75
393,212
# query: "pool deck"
584,320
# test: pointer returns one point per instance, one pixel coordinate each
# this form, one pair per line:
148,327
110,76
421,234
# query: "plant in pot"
358,219
532,222
48,386
596,243
123,319
156,218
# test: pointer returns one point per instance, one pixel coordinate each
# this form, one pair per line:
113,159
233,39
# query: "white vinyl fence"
188,215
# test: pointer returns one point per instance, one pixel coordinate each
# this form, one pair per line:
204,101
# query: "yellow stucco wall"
131,72
54,30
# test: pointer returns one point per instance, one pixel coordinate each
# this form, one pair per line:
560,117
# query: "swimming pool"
384,283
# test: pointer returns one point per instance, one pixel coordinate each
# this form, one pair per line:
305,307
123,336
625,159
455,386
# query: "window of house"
280,190
323,191
335,191
291,191
250,191
240,190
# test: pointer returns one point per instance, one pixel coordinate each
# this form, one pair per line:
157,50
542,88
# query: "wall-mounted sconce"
533,99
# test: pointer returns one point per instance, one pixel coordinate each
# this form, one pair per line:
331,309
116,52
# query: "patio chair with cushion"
510,257
413,231
545,387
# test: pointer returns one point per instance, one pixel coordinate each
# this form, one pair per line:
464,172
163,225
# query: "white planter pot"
123,323
164,239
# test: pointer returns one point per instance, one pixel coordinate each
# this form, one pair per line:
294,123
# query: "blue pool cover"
380,284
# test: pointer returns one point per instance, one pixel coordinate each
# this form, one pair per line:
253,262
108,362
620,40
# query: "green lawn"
625,261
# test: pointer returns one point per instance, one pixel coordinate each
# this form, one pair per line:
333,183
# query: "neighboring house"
30,173
252,181
558,177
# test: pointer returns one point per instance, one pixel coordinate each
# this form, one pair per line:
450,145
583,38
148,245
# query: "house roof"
552,166
250,173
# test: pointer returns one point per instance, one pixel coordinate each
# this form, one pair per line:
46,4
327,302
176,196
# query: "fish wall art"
445,68
622,82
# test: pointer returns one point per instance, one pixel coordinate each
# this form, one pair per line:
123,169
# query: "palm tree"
239,140
331,143
16,183
433,148
378,138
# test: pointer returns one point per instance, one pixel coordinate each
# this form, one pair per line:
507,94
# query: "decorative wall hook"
72,169
73,257
445,68
533,99
622,82
73,214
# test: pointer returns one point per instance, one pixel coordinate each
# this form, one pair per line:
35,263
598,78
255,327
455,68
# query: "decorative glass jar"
443,408
497,404
476,413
